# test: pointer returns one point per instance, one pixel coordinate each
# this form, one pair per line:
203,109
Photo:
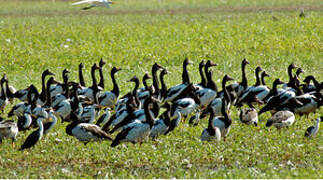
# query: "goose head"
102,63
156,67
244,62
47,72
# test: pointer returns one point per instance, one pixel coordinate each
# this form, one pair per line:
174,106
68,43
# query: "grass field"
36,35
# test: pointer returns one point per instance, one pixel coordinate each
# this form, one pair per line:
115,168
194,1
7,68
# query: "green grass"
134,42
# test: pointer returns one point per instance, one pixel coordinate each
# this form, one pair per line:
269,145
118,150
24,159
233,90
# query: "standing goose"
8,129
211,132
109,98
240,87
35,136
216,104
59,88
223,122
137,131
310,102
281,119
18,109
101,83
207,94
85,132
258,90
155,68
312,130
174,91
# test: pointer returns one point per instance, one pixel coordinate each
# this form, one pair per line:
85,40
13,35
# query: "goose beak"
118,68
229,78
213,64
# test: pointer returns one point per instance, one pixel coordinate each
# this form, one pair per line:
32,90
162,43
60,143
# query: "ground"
133,34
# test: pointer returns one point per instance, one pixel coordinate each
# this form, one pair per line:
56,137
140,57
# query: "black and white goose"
174,91
209,93
19,108
223,122
211,132
138,115
310,102
236,89
59,88
8,129
312,130
186,106
281,119
85,132
137,131
109,98
61,96
216,104
35,136
258,90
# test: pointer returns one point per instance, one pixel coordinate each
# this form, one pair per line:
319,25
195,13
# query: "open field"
36,35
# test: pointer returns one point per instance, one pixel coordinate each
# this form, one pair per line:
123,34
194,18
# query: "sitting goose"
8,129
281,119
249,116
174,91
211,132
312,130
137,131
85,132
109,98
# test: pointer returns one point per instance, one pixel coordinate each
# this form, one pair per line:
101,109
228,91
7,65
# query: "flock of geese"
137,115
